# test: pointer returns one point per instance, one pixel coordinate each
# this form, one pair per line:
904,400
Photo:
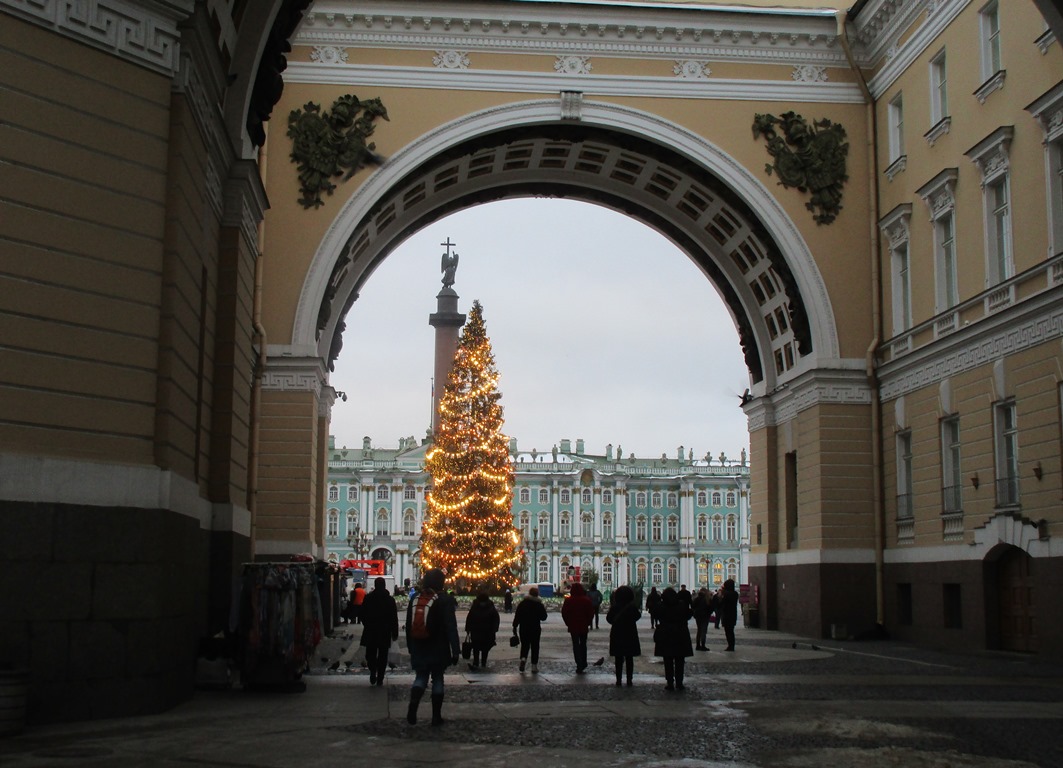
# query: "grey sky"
601,329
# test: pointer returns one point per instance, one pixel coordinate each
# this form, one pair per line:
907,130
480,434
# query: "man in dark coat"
728,611
380,625
596,600
702,611
441,649
624,645
671,639
481,624
578,613
528,625
653,605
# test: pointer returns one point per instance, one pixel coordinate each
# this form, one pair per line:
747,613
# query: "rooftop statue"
449,264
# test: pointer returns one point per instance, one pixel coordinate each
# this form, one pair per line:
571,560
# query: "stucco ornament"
809,157
329,144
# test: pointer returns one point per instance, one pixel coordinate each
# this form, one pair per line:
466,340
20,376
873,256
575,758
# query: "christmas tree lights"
468,529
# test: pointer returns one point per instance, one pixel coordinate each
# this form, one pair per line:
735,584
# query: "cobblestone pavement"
778,700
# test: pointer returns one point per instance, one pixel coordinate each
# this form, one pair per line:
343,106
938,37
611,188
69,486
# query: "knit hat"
434,578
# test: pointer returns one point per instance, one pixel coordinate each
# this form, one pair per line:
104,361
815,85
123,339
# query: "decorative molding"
571,105
809,73
1048,111
939,193
691,69
895,225
361,76
245,201
1044,42
897,166
991,153
294,374
572,65
143,31
994,83
328,54
939,129
819,387
451,60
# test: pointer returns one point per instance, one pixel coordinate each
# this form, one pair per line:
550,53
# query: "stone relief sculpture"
808,157
327,144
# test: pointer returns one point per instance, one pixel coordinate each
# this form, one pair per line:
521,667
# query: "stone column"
447,321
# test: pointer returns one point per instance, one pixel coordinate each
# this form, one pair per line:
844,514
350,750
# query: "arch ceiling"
758,263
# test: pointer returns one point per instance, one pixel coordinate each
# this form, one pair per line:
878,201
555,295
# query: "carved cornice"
821,387
1048,110
939,193
895,225
806,36
245,201
142,31
292,374
991,153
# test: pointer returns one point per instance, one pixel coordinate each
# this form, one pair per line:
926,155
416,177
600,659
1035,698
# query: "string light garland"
468,529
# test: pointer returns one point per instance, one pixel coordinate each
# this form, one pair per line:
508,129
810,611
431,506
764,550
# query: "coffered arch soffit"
673,181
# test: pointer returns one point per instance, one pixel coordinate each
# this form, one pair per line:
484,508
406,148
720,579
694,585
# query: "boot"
415,699
437,709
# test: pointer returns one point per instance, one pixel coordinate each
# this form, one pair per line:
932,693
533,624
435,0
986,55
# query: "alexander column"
447,320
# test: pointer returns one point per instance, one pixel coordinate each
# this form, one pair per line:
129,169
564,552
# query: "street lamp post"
358,541
535,544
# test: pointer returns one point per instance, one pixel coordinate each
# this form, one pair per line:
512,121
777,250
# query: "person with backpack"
380,625
528,626
481,624
432,640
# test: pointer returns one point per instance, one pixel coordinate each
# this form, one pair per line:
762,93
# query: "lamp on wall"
974,480
1038,472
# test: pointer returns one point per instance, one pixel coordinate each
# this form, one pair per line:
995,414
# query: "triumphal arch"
196,191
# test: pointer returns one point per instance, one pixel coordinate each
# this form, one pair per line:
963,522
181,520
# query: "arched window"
383,522
717,528
717,573
544,495
657,527
525,496
333,493
383,493
640,571
640,499
409,523
655,499
732,499
732,527
352,493
352,522
544,525
732,568
672,500
703,527
673,572
640,528
717,499
587,527
587,496
566,526
673,528
566,496
607,571
703,573
702,499
607,526
607,496
409,493
333,523
544,569
658,572
525,524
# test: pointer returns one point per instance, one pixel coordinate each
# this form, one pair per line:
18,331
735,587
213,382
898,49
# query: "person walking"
624,644
653,605
728,612
671,640
702,609
578,614
528,626
431,655
596,601
355,604
482,625
380,625
507,601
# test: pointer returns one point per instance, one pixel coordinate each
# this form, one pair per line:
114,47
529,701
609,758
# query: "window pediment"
991,153
939,193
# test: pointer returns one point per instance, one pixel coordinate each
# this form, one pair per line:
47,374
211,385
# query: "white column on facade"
368,495
620,533
397,495
743,528
687,562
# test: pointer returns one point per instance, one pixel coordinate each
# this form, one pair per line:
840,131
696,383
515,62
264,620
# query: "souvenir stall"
280,623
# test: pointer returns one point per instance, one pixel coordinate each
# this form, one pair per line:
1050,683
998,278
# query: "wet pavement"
778,700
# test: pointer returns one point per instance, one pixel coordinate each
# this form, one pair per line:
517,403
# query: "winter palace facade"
664,521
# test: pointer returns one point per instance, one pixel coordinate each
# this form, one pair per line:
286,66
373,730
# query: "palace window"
587,527
409,493
732,499
607,571
352,522
895,112
544,495
672,500
352,493
333,523
658,572
717,573
640,528
586,496
566,526
702,499
409,523
656,527
732,568
673,528
655,500
383,493
383,522
904,474
1047,111
673,572
640,571
607,527
717,528
989,18
566,496
951,479
525,496
703,573
717,499
939,95
940,198
703,527
732,528
333,493
640,499
525,524
544,570
1006,439
607,496
544,525
991,157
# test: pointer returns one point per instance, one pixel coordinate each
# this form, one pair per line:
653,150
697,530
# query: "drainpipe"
259,338
876,335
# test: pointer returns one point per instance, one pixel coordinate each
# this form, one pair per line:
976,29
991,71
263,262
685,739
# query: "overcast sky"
601,329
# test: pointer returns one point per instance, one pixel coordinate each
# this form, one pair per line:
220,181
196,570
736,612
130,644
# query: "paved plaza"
778,700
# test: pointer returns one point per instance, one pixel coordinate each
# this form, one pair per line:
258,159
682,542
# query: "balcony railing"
1007,491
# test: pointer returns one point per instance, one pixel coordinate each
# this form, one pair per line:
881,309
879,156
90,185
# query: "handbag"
514,641
466,648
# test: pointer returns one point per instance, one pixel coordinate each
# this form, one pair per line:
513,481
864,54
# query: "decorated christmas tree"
468,529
